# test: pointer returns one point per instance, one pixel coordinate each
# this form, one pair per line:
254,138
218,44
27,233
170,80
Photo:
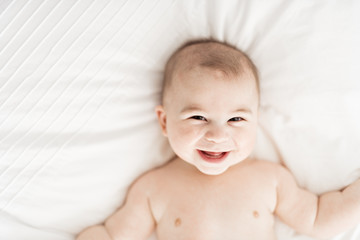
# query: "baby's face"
210,119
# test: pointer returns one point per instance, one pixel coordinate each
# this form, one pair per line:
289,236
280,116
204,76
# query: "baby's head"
210,105
209,54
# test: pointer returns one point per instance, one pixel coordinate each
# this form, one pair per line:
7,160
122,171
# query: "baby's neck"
192,170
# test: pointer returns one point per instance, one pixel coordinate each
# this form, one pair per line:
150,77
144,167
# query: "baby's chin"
212,170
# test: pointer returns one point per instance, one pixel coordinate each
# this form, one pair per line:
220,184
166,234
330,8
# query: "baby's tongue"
213,154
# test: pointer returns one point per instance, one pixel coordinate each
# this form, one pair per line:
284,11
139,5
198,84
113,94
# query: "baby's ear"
160,112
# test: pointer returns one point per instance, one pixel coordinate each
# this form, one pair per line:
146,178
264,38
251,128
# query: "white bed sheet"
79,81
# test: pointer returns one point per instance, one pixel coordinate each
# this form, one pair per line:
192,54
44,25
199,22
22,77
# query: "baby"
213,189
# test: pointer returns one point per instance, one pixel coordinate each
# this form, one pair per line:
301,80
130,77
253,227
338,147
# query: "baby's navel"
177,222
256,214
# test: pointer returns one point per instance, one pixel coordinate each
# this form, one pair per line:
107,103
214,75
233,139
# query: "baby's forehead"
201,87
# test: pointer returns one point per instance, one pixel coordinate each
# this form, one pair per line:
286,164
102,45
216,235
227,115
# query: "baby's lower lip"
213,157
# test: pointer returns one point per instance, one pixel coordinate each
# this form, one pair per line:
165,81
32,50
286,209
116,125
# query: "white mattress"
79,81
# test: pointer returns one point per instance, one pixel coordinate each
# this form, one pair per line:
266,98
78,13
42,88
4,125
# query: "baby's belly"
251,225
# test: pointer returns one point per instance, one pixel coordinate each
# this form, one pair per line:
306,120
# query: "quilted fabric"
79,81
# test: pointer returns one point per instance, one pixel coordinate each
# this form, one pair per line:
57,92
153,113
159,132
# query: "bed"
79,81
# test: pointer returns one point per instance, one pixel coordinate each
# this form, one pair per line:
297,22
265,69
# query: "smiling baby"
213,189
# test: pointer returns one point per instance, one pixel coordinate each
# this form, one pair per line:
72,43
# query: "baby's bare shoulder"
264,166
263,170
151,179
275,171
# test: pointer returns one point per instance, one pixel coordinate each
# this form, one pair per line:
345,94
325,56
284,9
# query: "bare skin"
180,202
192,205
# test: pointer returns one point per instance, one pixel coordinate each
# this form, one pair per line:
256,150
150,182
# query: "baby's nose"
216,134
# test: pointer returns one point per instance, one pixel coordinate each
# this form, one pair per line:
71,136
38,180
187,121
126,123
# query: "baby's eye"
236,119
200,118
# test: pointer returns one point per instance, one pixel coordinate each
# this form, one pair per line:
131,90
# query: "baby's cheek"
245,138
186,134
181,142
184,137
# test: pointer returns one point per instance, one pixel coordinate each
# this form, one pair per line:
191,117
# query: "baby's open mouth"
213,156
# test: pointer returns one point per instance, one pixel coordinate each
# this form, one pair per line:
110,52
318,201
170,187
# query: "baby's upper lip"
214,151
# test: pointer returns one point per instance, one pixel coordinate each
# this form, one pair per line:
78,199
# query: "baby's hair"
211,54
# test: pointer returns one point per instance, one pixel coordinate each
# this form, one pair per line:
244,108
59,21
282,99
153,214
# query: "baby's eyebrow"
199,109
243,110
191,109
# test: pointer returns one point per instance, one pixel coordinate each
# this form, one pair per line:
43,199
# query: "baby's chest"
203,215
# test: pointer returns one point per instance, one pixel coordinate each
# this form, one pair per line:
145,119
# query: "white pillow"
79,82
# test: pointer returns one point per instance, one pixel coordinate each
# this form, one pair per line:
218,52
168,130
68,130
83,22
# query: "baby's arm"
132,221
323,216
